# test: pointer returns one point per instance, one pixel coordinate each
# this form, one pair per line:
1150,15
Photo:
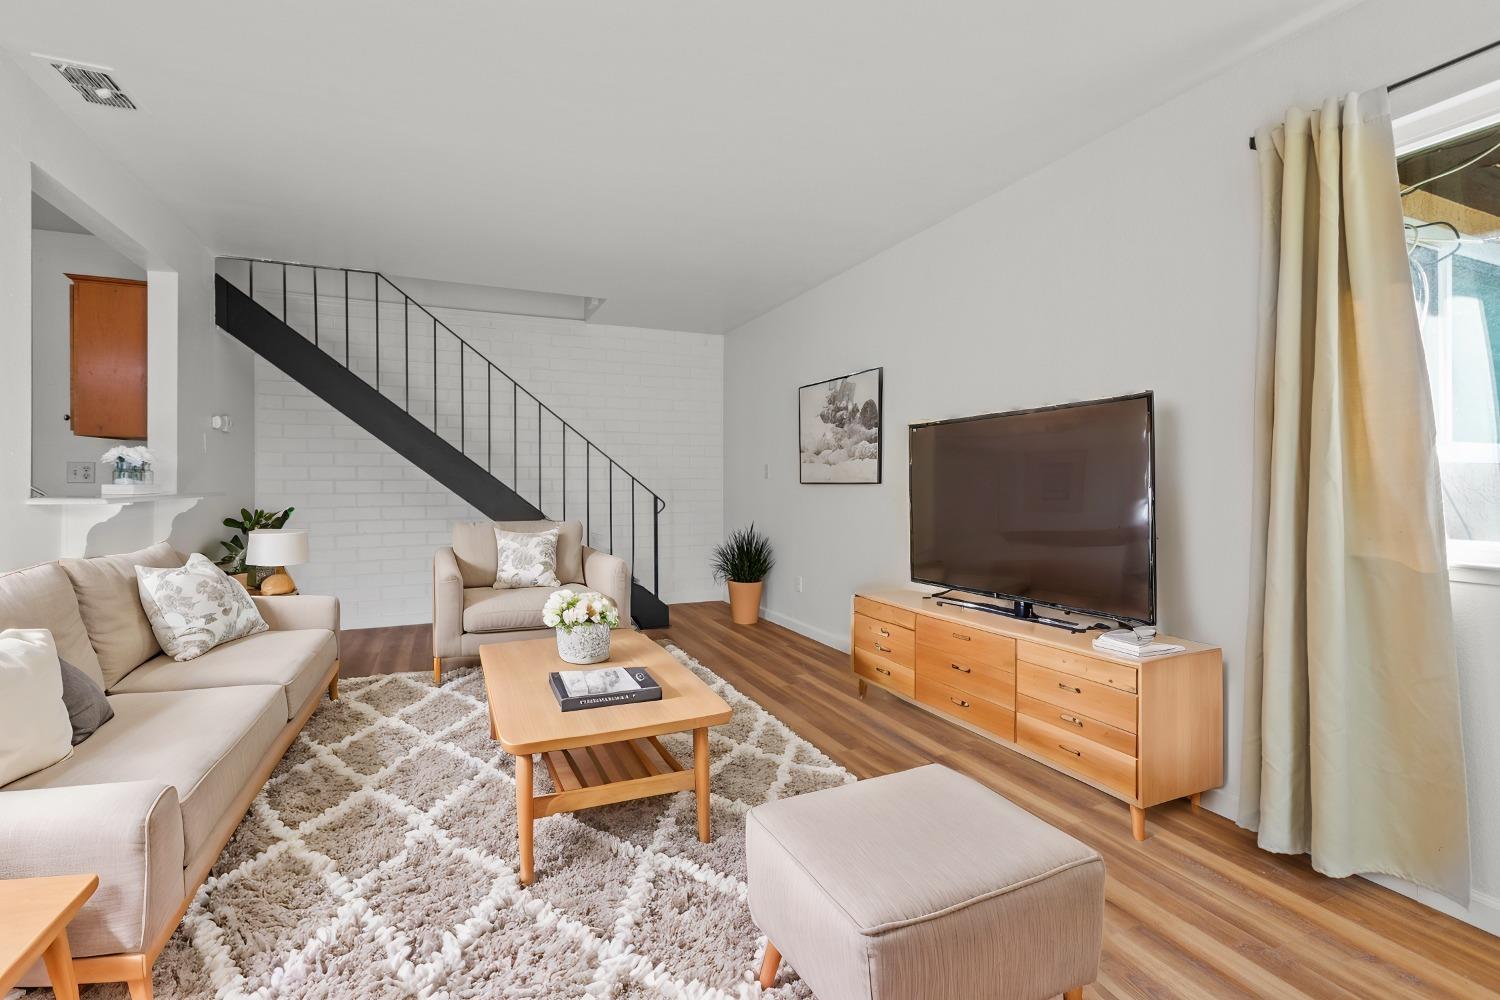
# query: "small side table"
34,915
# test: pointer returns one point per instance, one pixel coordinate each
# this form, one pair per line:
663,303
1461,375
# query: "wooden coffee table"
34,915
596,756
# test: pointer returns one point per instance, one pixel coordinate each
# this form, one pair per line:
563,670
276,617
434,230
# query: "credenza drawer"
1088,759
1081,725
976,711
884,612
887,673
1076,695
966,643
988,680
1114,675
892,642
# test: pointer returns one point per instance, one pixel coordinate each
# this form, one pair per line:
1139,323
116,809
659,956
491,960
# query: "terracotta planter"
744,601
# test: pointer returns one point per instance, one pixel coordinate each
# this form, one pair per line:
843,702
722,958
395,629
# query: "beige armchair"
467,610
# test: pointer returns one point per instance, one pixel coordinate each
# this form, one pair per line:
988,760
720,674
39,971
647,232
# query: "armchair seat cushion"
296,662
206,744
488,610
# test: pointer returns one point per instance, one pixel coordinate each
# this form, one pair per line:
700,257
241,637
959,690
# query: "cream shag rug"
380,861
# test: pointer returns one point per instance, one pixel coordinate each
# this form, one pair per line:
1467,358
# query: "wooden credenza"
1145,731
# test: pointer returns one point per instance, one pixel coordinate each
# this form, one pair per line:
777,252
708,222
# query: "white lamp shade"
276,547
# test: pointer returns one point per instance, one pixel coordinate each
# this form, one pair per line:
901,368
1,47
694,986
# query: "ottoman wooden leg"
769,965
437,670
1076,993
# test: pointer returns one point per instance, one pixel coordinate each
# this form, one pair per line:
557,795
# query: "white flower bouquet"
136,457
566,610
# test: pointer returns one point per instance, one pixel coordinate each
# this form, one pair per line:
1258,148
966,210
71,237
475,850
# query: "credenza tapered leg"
1193,801
863,687
1138,822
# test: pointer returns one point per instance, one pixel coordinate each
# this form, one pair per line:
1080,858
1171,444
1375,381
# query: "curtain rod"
1429,71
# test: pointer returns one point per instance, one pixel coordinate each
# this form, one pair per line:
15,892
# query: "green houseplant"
742,561
233,559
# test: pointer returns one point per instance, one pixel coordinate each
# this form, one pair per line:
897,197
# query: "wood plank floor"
1197,910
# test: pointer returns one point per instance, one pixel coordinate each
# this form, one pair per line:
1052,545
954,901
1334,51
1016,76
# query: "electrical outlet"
82,472
799,584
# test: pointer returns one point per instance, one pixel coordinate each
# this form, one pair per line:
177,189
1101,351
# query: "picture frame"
836,444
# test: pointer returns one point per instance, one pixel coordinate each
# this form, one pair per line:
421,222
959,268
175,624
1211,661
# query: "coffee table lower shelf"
602,774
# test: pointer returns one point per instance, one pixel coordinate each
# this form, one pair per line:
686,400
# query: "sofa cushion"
42,597
207,744
87,706
196,607
488,610
474,547
295,661
34,729
111,608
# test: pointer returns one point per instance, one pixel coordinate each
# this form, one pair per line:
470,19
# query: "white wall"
1130,264
53,443
653,399
194,370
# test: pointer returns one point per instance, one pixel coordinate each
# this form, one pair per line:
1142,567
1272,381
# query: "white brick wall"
652,399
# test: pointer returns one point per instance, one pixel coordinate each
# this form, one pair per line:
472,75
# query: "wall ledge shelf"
115,501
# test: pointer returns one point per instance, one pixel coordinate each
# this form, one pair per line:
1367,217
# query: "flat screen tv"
1053,507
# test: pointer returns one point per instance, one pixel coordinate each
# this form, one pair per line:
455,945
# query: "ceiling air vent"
94,83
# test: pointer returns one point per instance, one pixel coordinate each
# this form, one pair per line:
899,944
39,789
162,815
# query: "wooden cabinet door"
108,349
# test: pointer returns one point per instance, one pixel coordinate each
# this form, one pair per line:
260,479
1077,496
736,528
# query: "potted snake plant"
742,561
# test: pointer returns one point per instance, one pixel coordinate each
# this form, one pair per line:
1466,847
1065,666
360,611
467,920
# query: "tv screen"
1053,506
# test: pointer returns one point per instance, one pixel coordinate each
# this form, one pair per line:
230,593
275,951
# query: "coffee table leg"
700,780
59,962
524,815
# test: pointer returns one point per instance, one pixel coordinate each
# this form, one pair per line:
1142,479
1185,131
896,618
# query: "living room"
508,301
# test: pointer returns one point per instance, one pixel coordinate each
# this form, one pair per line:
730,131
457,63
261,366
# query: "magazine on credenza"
1128,642
576,689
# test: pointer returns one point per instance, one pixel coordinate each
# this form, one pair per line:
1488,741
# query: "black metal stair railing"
304,311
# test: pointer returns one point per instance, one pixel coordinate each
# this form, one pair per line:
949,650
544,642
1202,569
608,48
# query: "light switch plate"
82,472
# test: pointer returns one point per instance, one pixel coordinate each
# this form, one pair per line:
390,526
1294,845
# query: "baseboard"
1483,910
838,640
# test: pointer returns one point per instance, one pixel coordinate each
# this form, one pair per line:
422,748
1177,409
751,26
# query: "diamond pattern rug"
380,861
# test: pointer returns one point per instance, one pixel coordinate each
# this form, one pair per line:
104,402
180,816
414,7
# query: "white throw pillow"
526,559
34,727
195,607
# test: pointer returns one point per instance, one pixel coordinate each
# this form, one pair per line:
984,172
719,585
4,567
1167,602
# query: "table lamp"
279,548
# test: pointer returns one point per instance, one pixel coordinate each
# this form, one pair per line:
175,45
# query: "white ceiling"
694,162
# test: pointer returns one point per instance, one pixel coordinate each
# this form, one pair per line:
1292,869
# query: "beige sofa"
150,799
467,612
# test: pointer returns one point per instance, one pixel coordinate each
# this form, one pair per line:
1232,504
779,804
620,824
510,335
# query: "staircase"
365,347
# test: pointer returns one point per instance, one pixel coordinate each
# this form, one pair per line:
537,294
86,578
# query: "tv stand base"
1020,610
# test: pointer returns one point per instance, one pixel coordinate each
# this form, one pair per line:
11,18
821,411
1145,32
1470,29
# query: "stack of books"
1126,642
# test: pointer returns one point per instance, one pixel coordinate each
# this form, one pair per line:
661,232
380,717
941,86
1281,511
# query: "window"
1451,201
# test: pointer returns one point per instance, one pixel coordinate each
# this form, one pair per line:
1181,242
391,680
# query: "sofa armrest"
447,605
129,833
296,611
610,576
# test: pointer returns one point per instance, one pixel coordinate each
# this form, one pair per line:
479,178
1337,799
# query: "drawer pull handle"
960,635
882,670
885,633
1075,753
961,669
1073,719
1065,687
883,649
959,702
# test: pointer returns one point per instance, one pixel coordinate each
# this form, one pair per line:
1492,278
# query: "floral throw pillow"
526,559
195,607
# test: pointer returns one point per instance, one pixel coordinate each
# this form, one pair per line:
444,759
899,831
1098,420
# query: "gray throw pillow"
88,708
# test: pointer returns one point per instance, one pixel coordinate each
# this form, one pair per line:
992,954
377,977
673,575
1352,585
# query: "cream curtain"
1351,688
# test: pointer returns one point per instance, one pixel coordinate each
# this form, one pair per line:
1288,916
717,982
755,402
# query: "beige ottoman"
923,885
